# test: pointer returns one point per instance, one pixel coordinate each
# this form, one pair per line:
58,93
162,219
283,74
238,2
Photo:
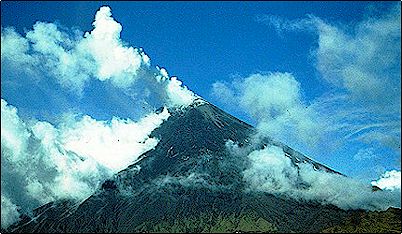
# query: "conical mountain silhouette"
189,182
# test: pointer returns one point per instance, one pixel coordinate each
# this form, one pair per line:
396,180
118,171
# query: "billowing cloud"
41,163
115,144
179,95
73,58
35,169
47,160
271,171
361,66
390,180
115,61
275,101
14,47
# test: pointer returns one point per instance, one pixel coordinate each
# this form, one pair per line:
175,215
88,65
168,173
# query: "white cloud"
281,93
390,180
14,134
57,55
275,101
14,47
73,60
115,61
191,180
9,212
271,171
361,63
170,89
281,25
222,91
179,95
363,154
364,60
41,163
35,168
100,53
116,144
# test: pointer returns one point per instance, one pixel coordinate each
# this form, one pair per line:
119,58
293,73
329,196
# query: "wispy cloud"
363,154
361,66
282,25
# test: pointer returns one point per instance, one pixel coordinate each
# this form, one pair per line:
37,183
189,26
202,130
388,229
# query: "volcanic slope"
190,182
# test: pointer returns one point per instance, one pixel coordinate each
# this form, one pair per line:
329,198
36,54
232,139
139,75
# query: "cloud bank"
115,61
41,163
271,171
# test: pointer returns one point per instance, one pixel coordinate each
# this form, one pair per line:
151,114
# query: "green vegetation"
388,221
206,223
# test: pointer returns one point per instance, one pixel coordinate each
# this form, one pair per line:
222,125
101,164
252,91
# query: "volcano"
189,182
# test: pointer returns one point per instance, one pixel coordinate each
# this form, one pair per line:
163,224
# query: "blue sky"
205,43
202,42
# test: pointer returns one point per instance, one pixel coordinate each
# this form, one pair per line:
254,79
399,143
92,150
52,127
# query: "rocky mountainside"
190,182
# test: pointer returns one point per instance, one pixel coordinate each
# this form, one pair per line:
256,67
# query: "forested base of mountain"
205,223
388,221
244,221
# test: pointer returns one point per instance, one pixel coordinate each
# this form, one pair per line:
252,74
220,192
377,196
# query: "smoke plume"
100,54
52,147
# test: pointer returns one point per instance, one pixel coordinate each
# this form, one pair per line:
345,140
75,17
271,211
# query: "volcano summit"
192,181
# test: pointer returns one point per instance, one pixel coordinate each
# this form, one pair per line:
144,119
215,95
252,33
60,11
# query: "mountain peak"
191,172
193,141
